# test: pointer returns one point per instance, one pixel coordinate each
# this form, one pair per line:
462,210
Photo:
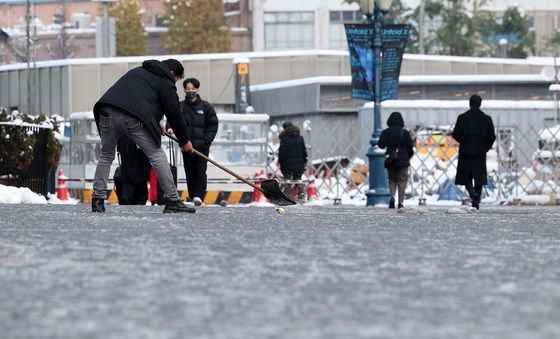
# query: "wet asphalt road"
248,272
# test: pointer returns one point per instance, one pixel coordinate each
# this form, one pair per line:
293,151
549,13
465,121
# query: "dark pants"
134,194
474,192
195,172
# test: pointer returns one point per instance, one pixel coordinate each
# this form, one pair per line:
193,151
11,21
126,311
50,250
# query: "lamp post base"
378,193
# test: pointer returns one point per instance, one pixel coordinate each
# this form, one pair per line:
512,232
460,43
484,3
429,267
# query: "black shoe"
177,207
97,205
476,204
392,203
400,206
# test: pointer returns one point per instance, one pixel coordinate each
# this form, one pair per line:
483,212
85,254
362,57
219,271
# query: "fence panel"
524,163
36,176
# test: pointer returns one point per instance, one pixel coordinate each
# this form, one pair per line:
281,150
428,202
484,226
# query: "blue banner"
360,45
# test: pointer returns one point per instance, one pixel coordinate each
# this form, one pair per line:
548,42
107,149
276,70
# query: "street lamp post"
378,192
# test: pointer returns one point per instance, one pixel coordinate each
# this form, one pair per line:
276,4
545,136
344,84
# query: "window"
287,30
337,35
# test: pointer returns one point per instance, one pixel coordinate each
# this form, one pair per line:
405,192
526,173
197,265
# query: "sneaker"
177,206
392,203
400,206
197,201
97,205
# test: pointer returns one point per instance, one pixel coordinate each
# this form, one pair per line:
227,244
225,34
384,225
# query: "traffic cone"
62,190
312,193
258,196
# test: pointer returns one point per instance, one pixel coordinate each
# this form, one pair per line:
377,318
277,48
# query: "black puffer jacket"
391,139
292,154
147,92
202,123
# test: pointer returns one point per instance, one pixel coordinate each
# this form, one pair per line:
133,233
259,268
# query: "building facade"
295,24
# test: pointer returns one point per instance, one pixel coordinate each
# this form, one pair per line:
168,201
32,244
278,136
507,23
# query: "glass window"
295,17
335,16
269,17
288,30
337,35
348,16
307,16
337,39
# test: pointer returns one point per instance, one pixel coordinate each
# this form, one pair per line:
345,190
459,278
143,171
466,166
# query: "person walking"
292,155
399,143
134,106
202,126
474,131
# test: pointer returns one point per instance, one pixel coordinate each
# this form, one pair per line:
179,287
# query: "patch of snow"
20,195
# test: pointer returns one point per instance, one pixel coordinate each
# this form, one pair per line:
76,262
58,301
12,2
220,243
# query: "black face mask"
190,95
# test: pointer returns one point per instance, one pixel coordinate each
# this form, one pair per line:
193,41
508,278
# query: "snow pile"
20,195
53,200
23,195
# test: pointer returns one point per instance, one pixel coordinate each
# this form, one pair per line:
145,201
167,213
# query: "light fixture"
367,7
384,5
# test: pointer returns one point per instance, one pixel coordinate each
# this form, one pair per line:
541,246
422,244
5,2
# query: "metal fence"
36,177
524,162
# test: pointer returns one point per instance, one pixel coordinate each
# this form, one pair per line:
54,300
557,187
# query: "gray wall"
74,85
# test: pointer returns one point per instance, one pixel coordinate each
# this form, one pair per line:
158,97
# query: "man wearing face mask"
202,126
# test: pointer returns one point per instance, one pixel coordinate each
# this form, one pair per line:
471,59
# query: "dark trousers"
195,172
474,192
134,194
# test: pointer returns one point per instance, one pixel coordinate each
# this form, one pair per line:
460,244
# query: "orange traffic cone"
312,193
258,196
62,190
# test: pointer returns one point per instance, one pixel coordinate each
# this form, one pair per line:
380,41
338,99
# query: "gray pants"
112,125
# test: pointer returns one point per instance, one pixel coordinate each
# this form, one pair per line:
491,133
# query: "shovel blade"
271,190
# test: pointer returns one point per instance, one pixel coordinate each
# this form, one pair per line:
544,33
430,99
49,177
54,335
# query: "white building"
318,24
301,24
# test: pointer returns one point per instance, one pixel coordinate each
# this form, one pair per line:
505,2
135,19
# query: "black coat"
148,93
202,123
474,131
292,154
392,139
135,166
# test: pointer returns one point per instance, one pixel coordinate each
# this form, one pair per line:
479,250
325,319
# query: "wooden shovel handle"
223,168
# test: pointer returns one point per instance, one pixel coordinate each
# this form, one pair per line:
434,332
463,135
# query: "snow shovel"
269,188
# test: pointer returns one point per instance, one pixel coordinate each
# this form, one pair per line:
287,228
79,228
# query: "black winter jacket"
202,123
292,154
148,93
391,139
